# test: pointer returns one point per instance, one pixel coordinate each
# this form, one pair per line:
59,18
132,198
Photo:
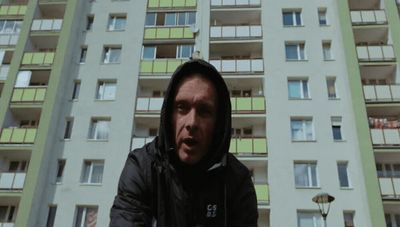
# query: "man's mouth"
190,142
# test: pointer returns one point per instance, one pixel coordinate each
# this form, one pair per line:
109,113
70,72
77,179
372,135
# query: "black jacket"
155,186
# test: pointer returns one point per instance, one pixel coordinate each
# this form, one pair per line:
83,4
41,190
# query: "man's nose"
191,120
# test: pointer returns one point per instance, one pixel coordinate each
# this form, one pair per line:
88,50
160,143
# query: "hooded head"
196,94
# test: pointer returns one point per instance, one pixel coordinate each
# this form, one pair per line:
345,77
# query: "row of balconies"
390,187
12,10
192,3
382,93
368,17
12,180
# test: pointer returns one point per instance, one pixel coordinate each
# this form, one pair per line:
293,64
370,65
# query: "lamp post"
324,204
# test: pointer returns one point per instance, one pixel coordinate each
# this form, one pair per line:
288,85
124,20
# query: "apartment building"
313,90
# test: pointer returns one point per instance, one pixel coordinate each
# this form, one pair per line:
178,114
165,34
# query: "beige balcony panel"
362,52
254,2
369,92
242,2
14,39
216,2
395,91
228,66
228,31
377,136
19,180
36,25
215,31
216,64
57,24
391,136
255,31
228,2
356,17
368,16
383,92
243,31
6,180
396,185
47,24
388,52
375,52
155,104
4,71
257,65
380,16
142,104
138,142
386,186
243,65
7,224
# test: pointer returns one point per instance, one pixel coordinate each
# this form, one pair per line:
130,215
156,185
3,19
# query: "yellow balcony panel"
160,66
40,94
244,146
3,10
165,3
243,104
232,147
5,136
22,10
262,192
146,66
18,135
29,94
49,58
233,104
176,33
150,33
187,33
258,103
173,65
13,10
153,3
17,95
259,146
190,3
162,33
38,58
27,58
178,3
30,135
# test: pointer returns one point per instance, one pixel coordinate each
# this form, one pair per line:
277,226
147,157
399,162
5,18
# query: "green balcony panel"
153,3
40,94
28,95
233,104
49,58
162,33
178,3
243,104
187,33
146,67
260,145
232,146
176,33
5,136
22,10
244,146
30,135
38,58
13,10
3,10
262,192
160,66
165,3
173,65
17,95
18,135
191,3
150,33
27,59
258,104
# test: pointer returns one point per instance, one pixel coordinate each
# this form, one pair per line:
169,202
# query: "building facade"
314,93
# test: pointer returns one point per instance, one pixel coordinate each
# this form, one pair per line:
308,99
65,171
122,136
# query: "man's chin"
187,158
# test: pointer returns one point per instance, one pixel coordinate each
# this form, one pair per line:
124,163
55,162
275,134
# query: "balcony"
262,192
18,135
38,59
390,187
239,65
6,224
12,10
382,53
4,72
29,94
382,93
235,3
235,32
168,33
160,66
8,39
368,17
12,181
149,105
385,137
49,25
248,146
171,3
138,142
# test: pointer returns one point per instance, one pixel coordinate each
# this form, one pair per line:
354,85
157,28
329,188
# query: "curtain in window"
297,130
91,217
109,91
102,130
86,172
119,23
294,89
114,55
301,175
97,174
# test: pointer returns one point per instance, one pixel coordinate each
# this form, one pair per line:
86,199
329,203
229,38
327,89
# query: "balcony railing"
239,105
168,33
12,181
6,224
171,3
248,146
375,53
251,31
47,25
4,71
262,192
366,17
38,58
390,187
160,66
238,66
385,137
138,142
12,10
8,39
382,93
29,94
17,135
235,3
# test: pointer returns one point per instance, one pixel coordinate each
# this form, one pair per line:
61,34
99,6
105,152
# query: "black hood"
222,133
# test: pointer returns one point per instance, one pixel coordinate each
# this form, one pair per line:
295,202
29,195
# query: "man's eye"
181,108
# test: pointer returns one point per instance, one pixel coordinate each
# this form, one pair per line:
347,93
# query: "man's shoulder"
146,154
235,169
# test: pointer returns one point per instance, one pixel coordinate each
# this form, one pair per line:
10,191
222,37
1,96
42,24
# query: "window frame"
76,90
304,88
154,54
309,174
336,94
327,50
102,85
60,170
315,215
112,22
81,214
305,121
344,164
91,165
322,14
337,122
295,14
69,123
300,46
180,50
94,131
108,52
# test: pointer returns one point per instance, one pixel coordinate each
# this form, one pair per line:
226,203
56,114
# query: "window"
60,170
7,214
82,58
92,172
181,18
77,87
298,89
388,170
10,26
348,217
309,219
116,22
302,129
295,51
337,128
89,22
184,51
150,19
68,128
51,216
149,52
343,175
18,166
331,85
306,174
112,55
326,50
86,216
106,90
322,17
99,129
292,18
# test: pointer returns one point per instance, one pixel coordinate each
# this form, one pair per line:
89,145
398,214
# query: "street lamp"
324,204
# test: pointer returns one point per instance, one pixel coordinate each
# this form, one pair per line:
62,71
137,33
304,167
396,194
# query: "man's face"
193,118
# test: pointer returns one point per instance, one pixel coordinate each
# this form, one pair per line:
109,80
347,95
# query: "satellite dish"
194,29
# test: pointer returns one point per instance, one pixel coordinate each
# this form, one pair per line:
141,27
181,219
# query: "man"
186,176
